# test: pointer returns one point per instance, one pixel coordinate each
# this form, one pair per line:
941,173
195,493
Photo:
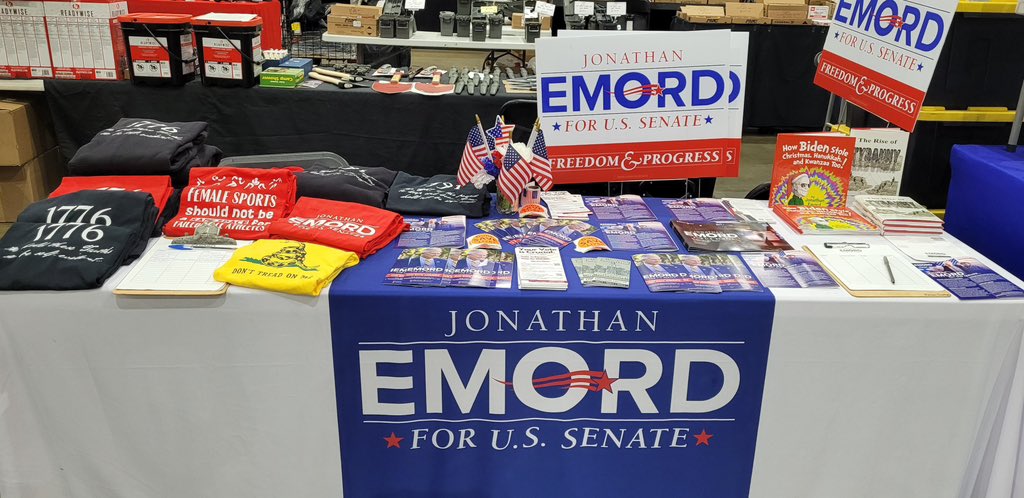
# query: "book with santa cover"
811,220
898,215
812,169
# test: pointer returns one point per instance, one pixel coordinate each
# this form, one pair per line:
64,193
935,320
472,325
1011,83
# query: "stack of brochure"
725,237
640,235
898,215
705,273
540,268
565,206
603,272
812,220
445,267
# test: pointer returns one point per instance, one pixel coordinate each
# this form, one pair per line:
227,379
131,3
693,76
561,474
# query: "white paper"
540,268
583,8
863,269
488,9
545,9
616,8
751,210
184,271
565,206
215,16
415,4
926,249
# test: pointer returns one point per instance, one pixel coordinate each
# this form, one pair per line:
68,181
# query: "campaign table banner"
642,106
880,54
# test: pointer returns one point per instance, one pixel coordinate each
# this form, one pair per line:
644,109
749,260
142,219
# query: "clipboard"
859,268
174,270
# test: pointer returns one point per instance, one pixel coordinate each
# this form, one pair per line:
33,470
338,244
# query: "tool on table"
392,86
385,70
460,83
343,84
337,74
472,84
427,72
452,76
888,268
524,72
495,82
434,87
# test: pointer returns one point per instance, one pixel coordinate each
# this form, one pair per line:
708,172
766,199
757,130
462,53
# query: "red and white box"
85,38
24,52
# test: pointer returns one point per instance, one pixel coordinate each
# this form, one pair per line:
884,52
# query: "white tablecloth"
113,396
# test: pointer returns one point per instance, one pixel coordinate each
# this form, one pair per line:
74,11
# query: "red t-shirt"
157,186
345,225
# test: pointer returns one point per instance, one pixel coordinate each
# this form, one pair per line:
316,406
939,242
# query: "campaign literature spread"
705,273
448,231
812,169
487,268
344,225
698,210
750,210
898,215
817,220
603,272
241,201
565,206
540,268
878,161
968,278
537,233
643,235
285,266
788,270
622,208
448,267
726,237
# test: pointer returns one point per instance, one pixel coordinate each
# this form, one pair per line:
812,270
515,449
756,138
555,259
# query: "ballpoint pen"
888,268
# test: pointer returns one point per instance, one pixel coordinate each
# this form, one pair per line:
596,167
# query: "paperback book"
829,221
896,215
788,270
878,160
812,169
730,237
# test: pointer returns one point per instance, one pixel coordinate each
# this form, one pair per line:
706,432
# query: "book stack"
898,215
809,220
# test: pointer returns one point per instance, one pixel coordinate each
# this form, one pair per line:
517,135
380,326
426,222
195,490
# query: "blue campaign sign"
506,393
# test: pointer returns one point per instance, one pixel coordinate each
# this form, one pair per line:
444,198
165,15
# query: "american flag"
472,156
540,166
501,132
515,174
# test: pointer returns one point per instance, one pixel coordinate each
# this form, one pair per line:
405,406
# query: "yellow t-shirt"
285,266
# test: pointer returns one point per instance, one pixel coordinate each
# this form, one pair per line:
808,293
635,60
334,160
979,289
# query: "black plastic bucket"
230,52
159,48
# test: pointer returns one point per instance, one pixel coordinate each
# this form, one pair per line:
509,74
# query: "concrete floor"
756,158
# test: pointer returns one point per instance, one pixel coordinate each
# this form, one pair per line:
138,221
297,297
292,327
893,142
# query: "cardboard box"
4,227
744,10
352,22
716,2
29,183
347,30
517,21
749,20
786,9
71,25
282,77
346,10
819,12
687,2
23,23
25,131
704,14
789,22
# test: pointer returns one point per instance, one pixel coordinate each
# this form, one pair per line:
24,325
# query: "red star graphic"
604,382
703,438
393,441
658,91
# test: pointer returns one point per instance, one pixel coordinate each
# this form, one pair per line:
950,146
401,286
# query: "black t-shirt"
357,184
132,211
439,195
139,147
206,155
61,256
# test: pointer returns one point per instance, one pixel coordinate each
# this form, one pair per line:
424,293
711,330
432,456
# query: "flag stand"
1017,121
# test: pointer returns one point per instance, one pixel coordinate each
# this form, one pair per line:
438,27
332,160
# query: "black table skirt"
408,132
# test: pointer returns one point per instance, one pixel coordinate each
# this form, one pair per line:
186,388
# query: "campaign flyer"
448,231
968,278
643,236
622,208
676,273
699,210
733,275
485,268
729,237
557,233
421,267
787,270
